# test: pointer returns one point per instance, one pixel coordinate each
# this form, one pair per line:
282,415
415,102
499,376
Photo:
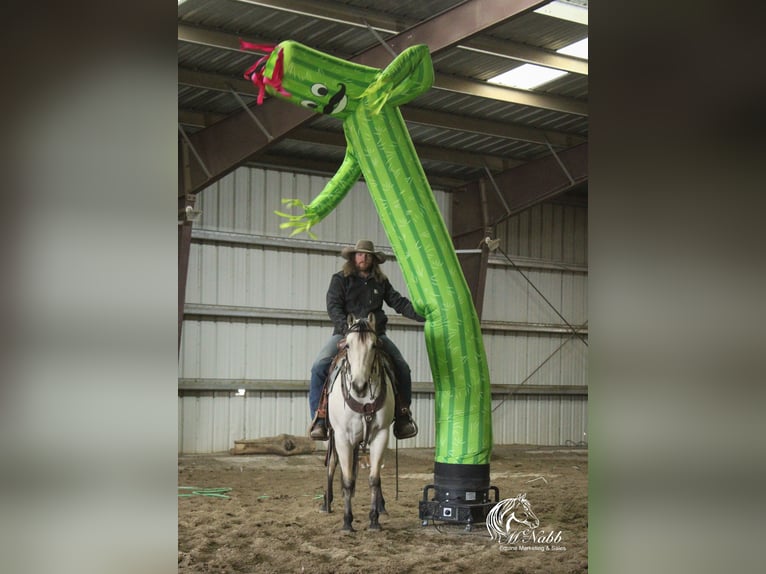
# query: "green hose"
197,491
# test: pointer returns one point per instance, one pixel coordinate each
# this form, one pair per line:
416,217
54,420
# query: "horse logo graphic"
505,513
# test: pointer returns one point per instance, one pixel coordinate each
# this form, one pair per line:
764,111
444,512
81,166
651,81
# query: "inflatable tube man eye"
380,148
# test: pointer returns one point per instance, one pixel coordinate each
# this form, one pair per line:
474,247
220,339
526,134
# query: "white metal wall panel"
551,232
574,297
259,349
267,277
245,200
287,277
549,284
212,421
517,358
542,420
509,297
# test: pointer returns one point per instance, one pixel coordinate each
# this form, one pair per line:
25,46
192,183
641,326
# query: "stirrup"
319,430
404,426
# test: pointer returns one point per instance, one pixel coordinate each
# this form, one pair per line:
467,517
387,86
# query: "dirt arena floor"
271,520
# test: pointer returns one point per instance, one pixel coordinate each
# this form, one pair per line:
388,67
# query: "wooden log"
284,444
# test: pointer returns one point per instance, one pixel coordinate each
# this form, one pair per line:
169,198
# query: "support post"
185,200
472,249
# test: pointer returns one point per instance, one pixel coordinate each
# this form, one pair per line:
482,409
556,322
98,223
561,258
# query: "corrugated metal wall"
255,316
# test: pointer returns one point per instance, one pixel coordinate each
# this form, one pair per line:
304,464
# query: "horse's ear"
371,320
350,319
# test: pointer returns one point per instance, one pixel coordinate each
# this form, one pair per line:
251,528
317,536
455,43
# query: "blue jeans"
322,365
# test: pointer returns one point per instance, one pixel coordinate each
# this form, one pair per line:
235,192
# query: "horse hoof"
375,527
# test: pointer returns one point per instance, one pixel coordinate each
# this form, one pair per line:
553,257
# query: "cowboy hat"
363,246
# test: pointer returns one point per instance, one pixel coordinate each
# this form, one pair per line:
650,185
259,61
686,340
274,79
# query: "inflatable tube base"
461,495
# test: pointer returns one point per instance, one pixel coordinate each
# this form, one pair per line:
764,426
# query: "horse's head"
360,340
522,512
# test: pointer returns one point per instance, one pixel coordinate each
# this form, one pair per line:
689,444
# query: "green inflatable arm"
380,148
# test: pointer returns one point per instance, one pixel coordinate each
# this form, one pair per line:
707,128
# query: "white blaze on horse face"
360,358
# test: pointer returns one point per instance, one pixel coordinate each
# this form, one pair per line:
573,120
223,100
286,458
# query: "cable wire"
516,267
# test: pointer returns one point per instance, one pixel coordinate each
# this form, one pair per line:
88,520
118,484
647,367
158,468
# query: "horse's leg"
382,502
377,447
346,457
332,463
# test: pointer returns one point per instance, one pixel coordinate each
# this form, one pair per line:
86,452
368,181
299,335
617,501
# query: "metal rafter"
522,187
322,137
322,166
455,84
510,95
208,81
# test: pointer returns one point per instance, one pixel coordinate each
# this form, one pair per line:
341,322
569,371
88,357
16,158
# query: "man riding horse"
359,288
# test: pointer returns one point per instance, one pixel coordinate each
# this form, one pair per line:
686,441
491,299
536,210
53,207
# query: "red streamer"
255,72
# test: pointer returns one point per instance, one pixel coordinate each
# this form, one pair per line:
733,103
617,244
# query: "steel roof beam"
454,84
524,186
459,157
422,116
489,127
510,95
436,153
526,54
325,167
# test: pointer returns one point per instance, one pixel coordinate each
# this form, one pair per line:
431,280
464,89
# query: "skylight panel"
578,49
565,11
527,76
530,76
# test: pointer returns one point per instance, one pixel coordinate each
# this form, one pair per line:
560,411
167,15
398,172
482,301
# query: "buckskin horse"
360,410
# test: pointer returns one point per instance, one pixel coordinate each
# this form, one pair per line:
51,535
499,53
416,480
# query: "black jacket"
353,294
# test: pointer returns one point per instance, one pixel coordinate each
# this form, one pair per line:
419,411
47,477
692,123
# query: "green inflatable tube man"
379,147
